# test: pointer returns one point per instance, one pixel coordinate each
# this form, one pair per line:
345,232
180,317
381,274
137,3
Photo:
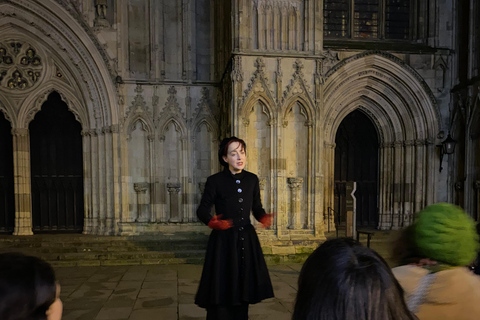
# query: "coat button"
239,190
237,181
240,200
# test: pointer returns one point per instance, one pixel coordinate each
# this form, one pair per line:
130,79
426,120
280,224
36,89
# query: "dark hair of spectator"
27,287
342,280
223,149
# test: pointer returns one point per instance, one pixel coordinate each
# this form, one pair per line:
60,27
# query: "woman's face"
56,309
235,157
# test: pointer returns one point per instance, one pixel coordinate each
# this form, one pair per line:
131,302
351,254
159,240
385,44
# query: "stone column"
173,191
329,150
295,206
22,180
386,183
143,201
87,182
420,170
398,194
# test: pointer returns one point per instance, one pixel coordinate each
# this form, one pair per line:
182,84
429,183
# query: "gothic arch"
34,102
209,123
177,122
49,26
265,101
147,124
304,102
397,89
8,111
404,112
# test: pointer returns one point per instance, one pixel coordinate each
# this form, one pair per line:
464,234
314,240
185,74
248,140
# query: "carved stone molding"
237,73
20,65
173,187
327,145
294,183
141,187
402,65
262,182
20,132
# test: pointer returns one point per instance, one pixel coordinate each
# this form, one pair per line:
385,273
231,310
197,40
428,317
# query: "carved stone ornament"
138,104
298,85
294,183
259,83
262,182
173,187
20,65
141,187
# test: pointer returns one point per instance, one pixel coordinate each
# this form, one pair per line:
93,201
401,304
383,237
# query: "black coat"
234,271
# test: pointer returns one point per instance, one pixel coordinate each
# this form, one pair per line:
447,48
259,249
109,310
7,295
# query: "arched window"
368,19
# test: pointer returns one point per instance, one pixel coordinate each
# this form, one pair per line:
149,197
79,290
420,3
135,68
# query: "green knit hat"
445,233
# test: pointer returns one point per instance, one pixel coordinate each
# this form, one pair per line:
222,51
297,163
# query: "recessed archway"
56,169
356,159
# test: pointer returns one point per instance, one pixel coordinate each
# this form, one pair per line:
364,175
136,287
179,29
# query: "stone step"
86,250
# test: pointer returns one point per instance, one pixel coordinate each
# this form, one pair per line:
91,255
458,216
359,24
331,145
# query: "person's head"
28,289
444,232
342,280
232,154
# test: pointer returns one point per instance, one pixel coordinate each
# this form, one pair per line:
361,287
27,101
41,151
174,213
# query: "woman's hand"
266,220
217,224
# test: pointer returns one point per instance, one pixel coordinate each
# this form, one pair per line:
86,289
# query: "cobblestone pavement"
158,292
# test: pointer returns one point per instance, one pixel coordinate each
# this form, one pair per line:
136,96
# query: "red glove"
266,220
217,224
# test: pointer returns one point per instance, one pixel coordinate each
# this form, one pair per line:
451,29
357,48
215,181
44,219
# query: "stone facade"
157,84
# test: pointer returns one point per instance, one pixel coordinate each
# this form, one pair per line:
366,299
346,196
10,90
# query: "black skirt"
234,271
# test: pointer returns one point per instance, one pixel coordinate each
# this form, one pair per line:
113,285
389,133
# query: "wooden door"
57,171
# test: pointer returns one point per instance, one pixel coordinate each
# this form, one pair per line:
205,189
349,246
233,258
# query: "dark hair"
342,280
27,287
223,149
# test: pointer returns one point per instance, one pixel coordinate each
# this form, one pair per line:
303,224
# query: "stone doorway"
7,197
356,159
56,169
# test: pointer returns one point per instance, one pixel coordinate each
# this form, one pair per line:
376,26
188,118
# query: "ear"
225,159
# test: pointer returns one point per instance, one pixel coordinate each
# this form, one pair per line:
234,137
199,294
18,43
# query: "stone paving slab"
158,292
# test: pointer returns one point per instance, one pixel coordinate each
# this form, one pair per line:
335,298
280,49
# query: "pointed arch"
305,104
33,103
51,28
8,111
396,87
209,123
267,104
143,117
179,124
406,116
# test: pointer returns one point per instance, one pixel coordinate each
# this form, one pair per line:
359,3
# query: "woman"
28,289
342,280
234,274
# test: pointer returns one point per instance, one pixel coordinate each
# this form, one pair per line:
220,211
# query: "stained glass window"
367,19
397,19
336,17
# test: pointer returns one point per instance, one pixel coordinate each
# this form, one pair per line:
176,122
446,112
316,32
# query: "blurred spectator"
28,289
437,283
342,280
